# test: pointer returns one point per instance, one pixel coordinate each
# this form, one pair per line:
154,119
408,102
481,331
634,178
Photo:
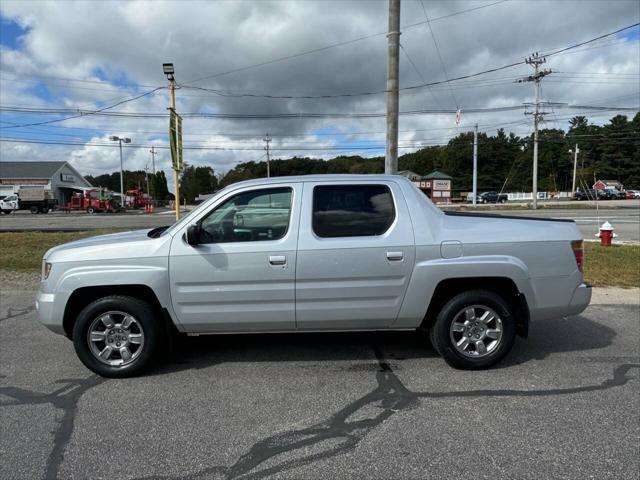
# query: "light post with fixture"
575,165
120,140
175,133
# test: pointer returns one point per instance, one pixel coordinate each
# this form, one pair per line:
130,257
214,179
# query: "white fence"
524,196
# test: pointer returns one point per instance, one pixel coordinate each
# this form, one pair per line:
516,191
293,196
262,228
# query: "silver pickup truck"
314,253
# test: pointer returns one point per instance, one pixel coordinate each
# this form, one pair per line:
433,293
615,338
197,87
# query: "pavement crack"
65,398
16,312
345,429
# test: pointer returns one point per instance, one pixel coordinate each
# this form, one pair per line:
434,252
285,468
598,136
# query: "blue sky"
10,32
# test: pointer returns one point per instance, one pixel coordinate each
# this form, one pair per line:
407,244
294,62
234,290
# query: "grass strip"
618,265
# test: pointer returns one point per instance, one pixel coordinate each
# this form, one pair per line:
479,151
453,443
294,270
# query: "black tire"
44,210
91,210
440,332
34,210
151,327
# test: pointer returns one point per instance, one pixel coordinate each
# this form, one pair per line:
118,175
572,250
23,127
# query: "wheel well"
505,287
82,297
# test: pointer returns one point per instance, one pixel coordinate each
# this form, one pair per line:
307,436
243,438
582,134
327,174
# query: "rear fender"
428,274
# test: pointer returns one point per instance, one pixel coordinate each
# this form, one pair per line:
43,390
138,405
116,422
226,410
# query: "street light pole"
169,71
575,165
114,138
121,175
266,140
475,165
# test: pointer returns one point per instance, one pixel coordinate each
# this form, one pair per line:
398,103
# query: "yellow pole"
176,182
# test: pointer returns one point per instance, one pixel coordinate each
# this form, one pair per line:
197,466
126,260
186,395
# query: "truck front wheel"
474,330
117,336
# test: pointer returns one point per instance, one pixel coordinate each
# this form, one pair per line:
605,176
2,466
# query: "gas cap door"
450,249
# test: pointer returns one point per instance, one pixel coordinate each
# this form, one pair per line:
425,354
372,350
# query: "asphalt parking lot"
564,404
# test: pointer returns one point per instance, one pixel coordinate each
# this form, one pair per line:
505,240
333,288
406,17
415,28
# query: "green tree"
196,180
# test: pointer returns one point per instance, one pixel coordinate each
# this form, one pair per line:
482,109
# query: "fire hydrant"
606,234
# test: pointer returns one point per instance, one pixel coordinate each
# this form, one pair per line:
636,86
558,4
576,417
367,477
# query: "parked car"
314,253
593,194
632,194
615,194
493,197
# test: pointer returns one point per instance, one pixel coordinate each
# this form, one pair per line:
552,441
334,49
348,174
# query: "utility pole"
115,138
393,60
153,170
169,71
535,60
475,165
267,140
146,174
575,166
176,179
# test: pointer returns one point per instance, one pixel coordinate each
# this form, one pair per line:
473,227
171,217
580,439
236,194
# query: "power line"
576,45
91,112
327,47
337,115
435,99
435,42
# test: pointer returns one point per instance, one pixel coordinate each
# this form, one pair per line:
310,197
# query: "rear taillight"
578,251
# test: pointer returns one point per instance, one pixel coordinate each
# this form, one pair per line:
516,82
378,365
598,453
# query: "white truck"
314,253
9,204
36,199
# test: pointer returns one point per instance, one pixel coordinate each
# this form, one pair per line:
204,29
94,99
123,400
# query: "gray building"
59,177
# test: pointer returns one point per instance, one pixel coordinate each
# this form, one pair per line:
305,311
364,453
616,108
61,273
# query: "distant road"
626,220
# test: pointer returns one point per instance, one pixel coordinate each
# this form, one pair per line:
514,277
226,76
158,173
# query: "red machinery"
93,200
136,198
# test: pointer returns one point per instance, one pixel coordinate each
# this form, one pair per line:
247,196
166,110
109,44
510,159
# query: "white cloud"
128,41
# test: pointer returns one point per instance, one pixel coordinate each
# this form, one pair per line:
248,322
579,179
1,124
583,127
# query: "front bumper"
47,312
580,299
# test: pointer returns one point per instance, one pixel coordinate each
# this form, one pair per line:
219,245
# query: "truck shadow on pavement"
546,337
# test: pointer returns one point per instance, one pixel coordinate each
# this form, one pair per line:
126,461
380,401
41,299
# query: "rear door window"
352,210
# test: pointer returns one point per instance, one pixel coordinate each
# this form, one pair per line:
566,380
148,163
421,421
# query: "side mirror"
193,234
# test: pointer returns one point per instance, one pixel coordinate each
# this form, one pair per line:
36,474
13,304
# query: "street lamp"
575,165
169,71
120,140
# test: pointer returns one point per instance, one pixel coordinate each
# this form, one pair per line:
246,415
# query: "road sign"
175,140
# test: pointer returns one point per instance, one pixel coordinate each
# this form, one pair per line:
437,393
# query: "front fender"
429,273
152,272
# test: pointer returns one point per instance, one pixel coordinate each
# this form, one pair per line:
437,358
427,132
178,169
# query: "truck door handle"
395,256
277,259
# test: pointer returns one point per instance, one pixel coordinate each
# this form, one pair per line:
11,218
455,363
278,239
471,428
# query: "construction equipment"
93,200
136,198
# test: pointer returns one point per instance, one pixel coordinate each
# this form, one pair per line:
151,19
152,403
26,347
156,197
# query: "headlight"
46,269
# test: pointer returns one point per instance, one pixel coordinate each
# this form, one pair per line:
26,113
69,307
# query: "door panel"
352,282
237,286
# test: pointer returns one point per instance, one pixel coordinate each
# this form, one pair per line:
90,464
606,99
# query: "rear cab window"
352,210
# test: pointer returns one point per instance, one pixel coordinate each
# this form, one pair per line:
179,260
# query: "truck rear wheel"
474,330
117,336
34,210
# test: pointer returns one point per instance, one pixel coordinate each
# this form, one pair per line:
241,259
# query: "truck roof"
341,177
